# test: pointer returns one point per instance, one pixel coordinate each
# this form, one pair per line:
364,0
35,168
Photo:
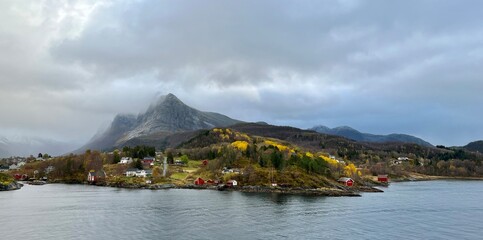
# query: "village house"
199,181
14,167
133,172
178,162
382,178
148,161
400,160
346,181
96,176
231,183
230,170
125,160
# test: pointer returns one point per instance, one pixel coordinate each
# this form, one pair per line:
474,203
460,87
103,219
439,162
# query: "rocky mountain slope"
355,135
167,116
476,146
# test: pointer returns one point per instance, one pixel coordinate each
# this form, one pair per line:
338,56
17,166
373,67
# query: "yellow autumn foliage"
309,154
329,160
351,171
277,145
240,145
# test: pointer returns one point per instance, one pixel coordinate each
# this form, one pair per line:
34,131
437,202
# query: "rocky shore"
330,192
421,177
11,186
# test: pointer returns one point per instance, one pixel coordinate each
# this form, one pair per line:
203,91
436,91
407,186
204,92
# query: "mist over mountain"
350,133
167,116
26,146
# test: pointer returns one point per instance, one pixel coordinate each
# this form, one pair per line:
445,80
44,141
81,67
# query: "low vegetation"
285,158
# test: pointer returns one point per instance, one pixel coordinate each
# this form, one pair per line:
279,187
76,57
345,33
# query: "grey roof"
344,179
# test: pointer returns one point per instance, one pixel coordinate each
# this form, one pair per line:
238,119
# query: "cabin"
346,181
96,176
14,167
204,163
231,183
131,172
144,173
199,181
148,161
178,162
134,172
382,178
126,160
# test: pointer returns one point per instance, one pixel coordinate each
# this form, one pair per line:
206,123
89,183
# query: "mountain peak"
167,115
171,97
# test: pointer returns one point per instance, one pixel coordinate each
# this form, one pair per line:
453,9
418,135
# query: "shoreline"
11,186
327,192
421,177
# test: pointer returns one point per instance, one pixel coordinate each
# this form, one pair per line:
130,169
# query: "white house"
20,164
231,183
132,172
14,167
125,160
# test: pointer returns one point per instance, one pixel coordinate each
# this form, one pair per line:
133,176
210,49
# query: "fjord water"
410,210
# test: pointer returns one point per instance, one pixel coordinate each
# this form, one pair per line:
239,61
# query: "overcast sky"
415,67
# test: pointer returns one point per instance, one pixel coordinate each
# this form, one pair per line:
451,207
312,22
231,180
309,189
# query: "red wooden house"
96,176
205,162
231,183
382,178
346,181
148,161
199,181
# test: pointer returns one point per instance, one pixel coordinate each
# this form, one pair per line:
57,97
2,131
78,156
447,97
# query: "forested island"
275,159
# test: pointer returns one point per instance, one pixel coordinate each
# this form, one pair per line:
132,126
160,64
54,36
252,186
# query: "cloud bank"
381,67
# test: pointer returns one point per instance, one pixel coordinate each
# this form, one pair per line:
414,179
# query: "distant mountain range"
355,135
26,146
166,117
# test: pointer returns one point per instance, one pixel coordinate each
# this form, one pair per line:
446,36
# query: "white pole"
165,166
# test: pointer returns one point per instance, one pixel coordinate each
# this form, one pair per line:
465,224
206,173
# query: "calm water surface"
411,210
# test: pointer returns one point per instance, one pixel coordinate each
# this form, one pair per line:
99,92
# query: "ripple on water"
422,210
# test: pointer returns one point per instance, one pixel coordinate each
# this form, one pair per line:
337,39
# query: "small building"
131,172
346,181
17,176
148,161
204,163
14,167
231,183
96,176
199,181
178,162
382,178
134,172
144,173
126,160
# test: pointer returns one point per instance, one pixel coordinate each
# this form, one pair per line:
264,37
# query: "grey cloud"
379,66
